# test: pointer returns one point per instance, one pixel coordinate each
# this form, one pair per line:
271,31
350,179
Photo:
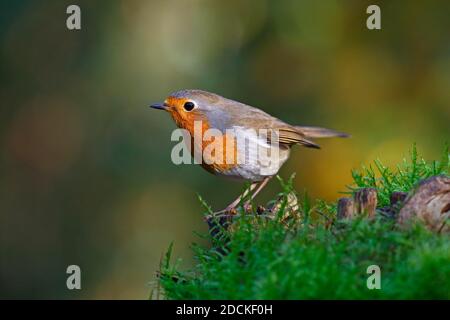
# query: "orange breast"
218,153
223,155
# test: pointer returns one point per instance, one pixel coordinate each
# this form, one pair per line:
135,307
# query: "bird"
212,111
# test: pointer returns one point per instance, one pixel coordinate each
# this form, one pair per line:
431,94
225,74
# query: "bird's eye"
189,106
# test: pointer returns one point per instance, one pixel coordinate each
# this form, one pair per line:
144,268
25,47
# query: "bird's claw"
225,213
247,207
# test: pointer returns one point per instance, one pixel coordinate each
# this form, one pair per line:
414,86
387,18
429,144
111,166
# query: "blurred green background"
85,170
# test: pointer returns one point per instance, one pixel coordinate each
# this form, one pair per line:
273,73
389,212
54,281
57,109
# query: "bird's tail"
317,132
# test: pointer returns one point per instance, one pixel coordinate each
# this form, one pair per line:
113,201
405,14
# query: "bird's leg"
242,196
233,205
262,184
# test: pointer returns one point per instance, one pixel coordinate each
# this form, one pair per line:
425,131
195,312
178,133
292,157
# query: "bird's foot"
248,207
228,212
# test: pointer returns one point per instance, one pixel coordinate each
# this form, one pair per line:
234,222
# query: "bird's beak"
160,106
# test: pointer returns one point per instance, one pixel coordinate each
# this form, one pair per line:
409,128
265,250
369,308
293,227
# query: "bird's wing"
289,135
249,117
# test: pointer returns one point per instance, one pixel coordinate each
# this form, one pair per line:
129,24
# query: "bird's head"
188,106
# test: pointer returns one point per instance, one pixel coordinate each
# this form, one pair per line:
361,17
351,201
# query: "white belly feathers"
257,158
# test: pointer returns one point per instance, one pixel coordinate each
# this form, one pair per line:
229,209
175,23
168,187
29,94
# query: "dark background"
85,170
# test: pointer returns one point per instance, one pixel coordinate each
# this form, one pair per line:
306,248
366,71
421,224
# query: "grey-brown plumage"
224,115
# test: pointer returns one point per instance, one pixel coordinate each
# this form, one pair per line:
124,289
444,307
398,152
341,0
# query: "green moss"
404,178
317,257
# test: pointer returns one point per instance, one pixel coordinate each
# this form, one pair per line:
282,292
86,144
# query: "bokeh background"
85,170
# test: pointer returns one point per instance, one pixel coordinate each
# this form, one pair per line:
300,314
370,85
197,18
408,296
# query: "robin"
191,107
